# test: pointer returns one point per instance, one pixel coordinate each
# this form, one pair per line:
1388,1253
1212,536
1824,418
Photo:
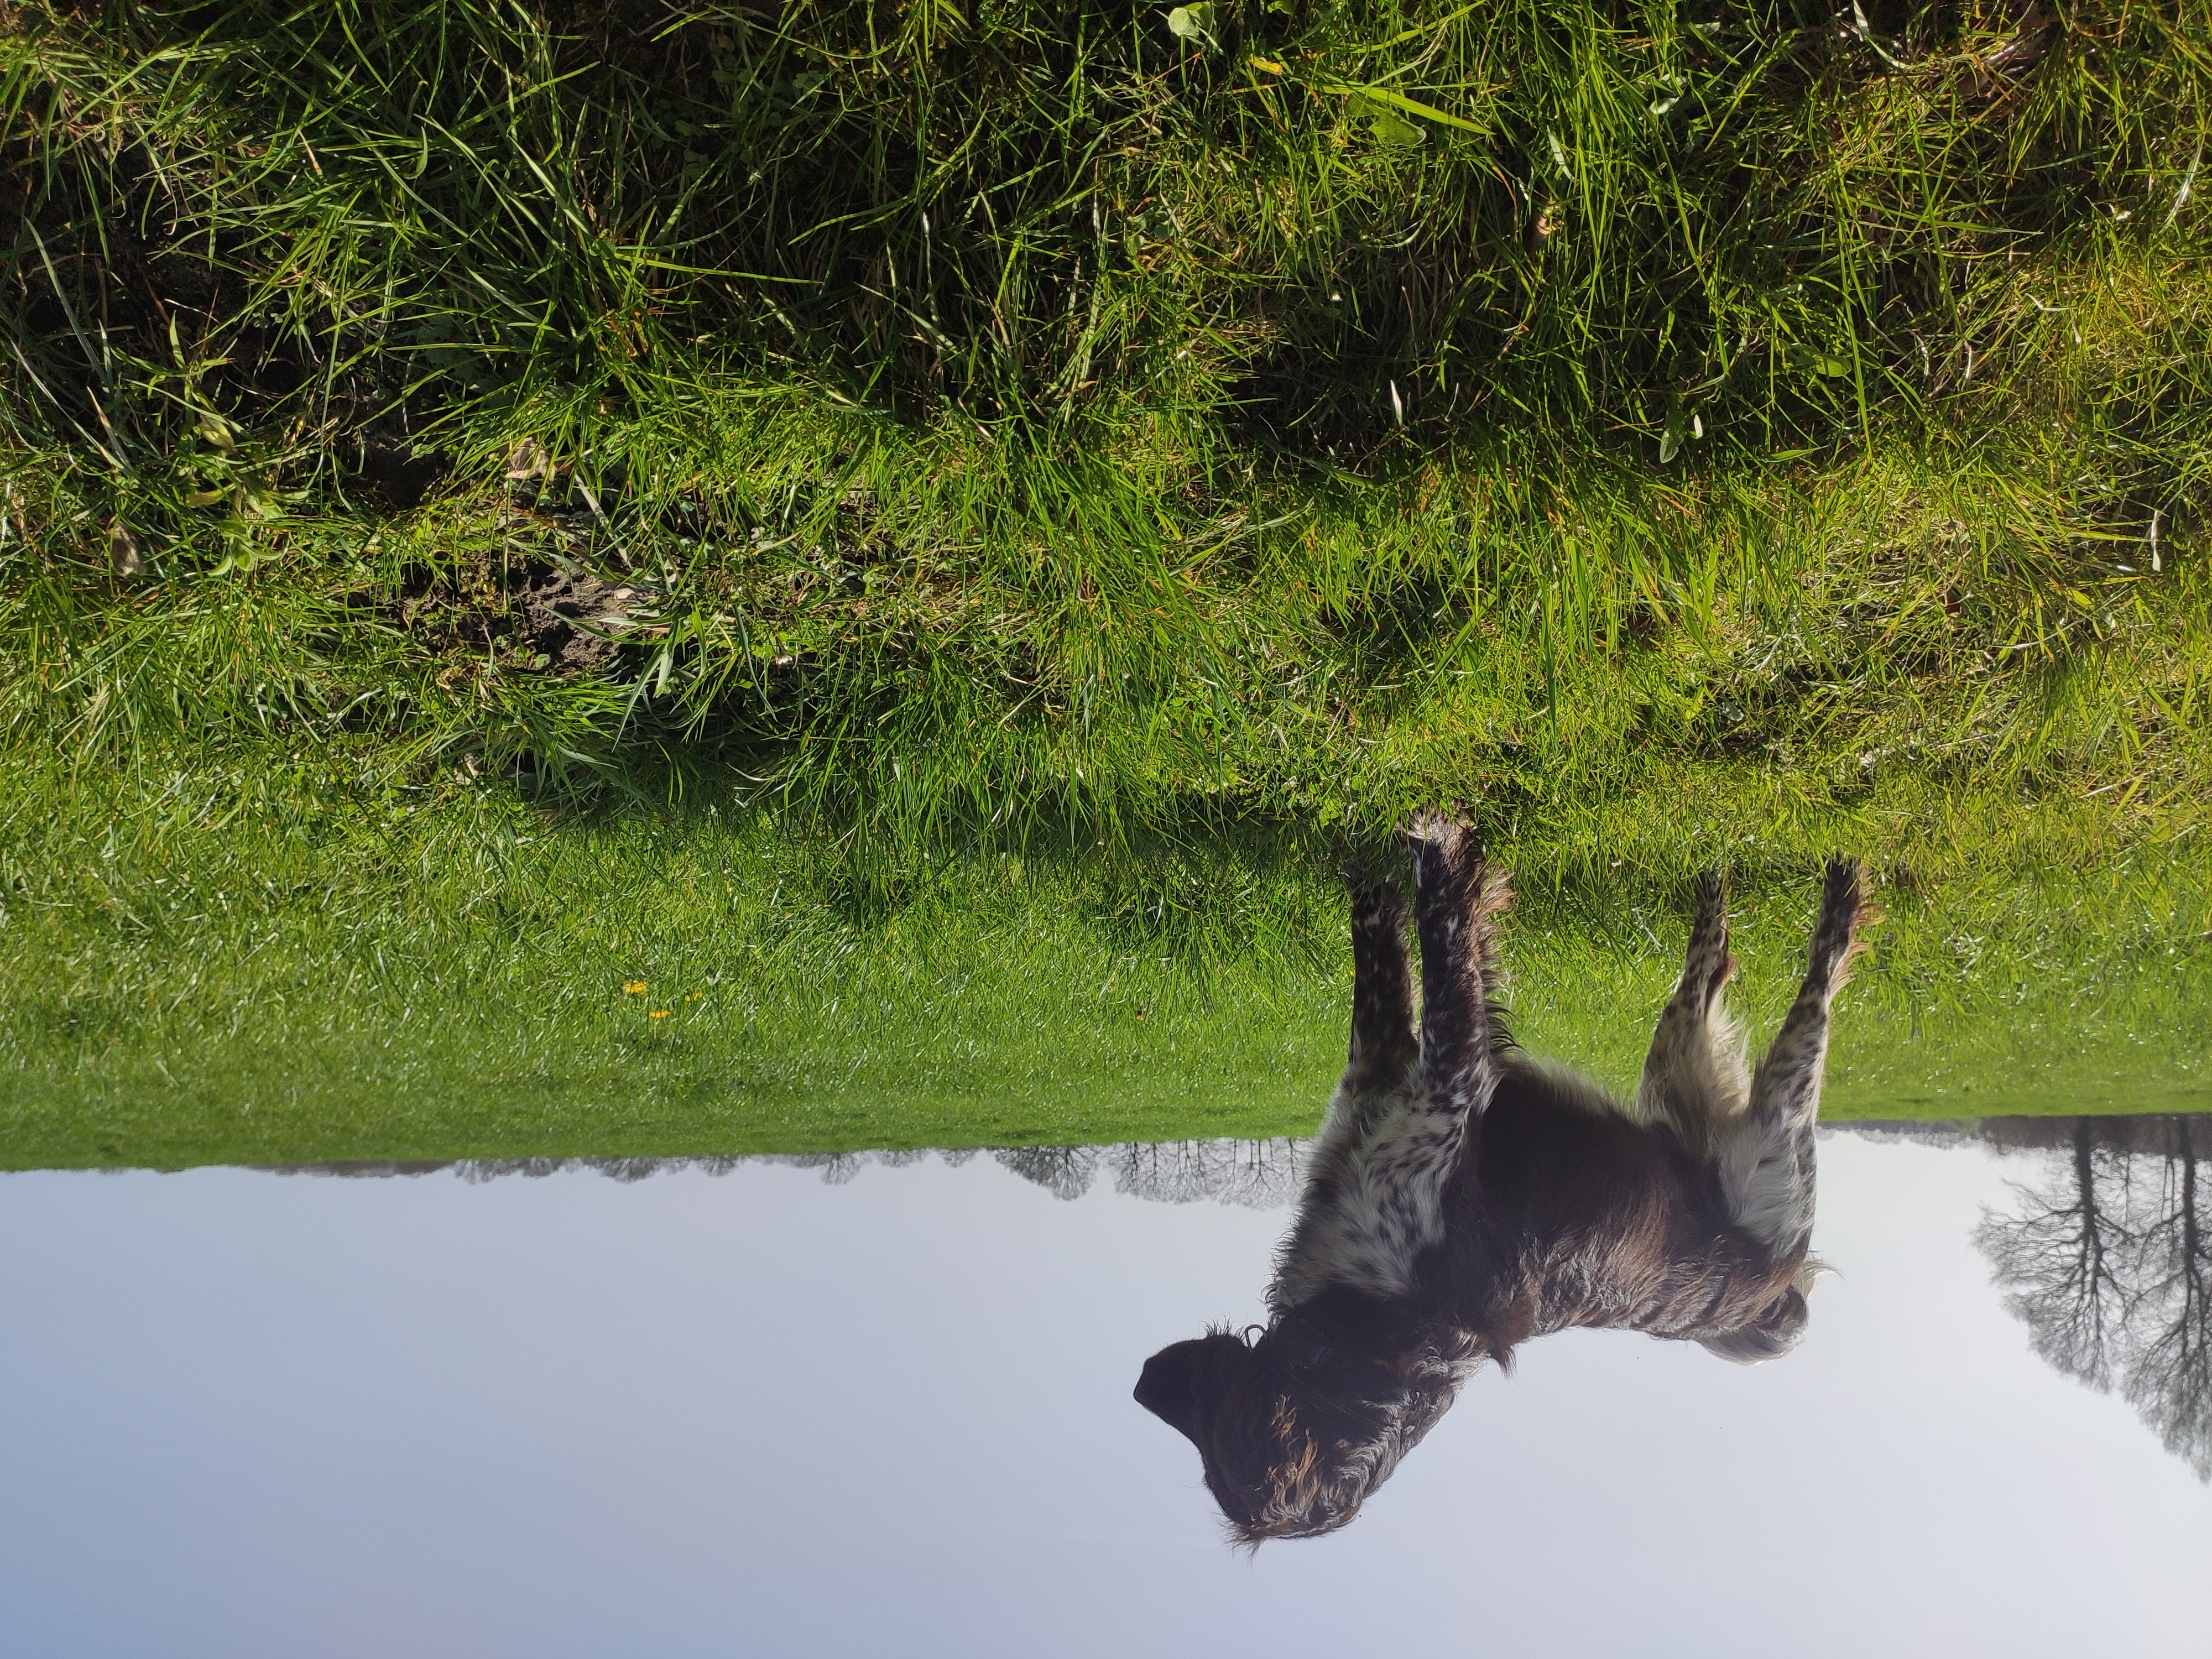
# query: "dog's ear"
1169,1387
1298,1344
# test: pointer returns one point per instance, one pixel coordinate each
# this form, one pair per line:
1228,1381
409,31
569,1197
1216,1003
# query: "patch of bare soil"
545,615
571,619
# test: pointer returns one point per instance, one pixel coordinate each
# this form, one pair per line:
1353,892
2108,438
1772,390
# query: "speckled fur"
1765,1152
1393,1136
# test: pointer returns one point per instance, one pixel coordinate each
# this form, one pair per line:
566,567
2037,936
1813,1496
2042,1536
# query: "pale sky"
246,1415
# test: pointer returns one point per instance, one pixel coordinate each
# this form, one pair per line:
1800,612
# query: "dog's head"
1293,1435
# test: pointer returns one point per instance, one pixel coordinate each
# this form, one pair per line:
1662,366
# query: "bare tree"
2107,1262
1260,1174
2169,1363
1063,1171
2056,1259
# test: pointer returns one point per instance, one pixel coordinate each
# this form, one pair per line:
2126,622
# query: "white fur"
1766,1162
1767,1180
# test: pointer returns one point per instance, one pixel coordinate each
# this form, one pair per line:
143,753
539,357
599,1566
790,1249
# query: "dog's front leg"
1457,898
1378,1066
1383,1041
1374,1200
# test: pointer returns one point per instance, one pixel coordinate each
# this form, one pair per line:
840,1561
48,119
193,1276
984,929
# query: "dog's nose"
1164,1387
1152,1390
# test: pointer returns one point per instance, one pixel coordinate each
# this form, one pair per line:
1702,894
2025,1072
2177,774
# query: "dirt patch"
396,473
539,614
571,619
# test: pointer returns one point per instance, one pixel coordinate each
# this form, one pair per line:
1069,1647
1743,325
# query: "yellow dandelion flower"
660,1013
693,996
633,988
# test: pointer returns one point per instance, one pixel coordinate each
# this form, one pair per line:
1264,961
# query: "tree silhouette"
2107,1262
1259,1175
1063,1171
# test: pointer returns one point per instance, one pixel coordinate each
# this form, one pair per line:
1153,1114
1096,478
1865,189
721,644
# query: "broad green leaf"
1819,362
1192,22
1394,128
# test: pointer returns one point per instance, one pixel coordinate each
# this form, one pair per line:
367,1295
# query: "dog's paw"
1435,827
1709,894
1839,891
1375,903
1846,907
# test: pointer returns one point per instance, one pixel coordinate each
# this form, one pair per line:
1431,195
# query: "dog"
1463,1196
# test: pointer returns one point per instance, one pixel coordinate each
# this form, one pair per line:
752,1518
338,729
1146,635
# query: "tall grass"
1027,416
1067,313
1565,212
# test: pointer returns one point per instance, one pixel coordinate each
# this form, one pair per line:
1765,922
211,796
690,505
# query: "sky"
244,1414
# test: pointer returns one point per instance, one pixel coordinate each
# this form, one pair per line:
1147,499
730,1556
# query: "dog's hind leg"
1766,1167
1694,1077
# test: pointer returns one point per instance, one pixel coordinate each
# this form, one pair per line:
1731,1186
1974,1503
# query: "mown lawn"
931,532
286,967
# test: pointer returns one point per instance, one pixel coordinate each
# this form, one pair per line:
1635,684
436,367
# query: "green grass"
278,966
1069,482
